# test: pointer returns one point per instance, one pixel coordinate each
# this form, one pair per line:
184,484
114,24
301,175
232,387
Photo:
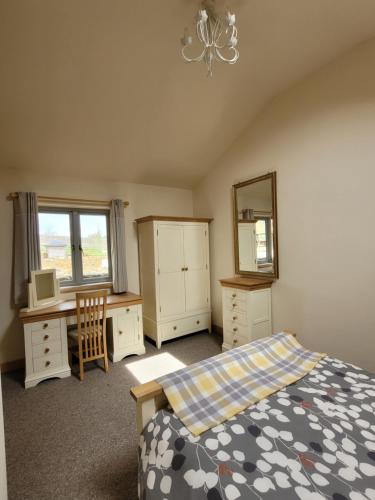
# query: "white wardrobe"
174,276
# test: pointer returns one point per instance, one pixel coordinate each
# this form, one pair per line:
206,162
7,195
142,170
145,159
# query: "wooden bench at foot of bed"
150,398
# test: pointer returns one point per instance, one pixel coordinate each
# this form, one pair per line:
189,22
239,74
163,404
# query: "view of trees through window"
75,244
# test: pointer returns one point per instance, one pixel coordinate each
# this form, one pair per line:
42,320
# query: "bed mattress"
315,439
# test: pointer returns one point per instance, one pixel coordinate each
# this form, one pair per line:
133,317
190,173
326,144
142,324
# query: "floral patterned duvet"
313,440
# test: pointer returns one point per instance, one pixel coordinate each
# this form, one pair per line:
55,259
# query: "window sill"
85,288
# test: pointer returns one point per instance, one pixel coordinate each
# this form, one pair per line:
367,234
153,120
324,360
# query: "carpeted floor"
67,439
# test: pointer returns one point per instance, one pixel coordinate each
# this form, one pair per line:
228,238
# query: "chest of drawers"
246,313
46,351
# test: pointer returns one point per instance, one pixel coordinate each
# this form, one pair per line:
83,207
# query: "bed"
313,439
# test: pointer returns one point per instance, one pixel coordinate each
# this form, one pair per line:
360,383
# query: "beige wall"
144,200
320,138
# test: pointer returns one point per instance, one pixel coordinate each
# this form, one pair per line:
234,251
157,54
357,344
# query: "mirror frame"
235,187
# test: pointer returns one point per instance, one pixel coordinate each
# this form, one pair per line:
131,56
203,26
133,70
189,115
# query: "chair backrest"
91,322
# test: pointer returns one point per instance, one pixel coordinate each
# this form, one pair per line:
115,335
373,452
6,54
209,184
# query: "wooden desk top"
68,307
245,283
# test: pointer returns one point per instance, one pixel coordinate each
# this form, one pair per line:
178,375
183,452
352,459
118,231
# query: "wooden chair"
88,342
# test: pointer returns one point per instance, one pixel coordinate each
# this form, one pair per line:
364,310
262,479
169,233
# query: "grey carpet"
67,439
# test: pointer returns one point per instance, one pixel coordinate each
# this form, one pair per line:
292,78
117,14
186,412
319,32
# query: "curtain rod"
68,201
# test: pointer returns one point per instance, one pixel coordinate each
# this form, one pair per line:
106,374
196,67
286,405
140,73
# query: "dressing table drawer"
45,325
235,317
46,349
236,329
234,339
49,362
43,336
235,294
234,305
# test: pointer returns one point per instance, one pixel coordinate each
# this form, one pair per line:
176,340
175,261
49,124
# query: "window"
263,229
76,243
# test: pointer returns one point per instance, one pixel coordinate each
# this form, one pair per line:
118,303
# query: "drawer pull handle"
127,309
234,318
175,328
120,332
198,322
48,363
235,329
45,326
46,337
46,350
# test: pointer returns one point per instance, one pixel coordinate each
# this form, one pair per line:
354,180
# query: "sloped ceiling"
98,88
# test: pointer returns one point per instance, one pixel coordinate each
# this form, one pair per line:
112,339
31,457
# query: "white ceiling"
98,88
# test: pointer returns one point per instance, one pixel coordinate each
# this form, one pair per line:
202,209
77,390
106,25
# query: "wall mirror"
255,227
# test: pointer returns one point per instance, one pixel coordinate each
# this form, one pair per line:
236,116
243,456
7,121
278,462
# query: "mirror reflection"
255,221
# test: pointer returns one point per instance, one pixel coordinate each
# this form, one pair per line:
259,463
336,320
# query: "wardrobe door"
170,244
196,265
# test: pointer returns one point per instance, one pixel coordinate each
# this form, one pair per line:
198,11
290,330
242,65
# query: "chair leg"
81,370
105,359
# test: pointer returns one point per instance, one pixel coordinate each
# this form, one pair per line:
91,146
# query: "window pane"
55,244
94,241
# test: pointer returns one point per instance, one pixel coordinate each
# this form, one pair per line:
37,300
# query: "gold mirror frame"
235,187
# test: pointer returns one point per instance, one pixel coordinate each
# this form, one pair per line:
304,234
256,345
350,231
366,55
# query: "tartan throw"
211,391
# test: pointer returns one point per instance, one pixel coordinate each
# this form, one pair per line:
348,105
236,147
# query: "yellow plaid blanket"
207,393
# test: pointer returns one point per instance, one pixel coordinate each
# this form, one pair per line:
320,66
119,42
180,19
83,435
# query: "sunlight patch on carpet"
153,367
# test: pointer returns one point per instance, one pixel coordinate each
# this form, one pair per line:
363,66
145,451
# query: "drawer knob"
46,337
234,295
234,305
120,332
175,328
46,350
45,326
48,363
235,341
235,329
234,318
127,309
198,322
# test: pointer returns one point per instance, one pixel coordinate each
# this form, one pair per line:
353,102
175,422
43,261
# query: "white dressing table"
45,331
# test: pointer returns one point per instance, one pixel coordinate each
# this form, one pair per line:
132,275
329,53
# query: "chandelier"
217,34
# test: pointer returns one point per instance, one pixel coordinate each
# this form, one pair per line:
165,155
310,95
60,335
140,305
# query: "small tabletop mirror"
255,227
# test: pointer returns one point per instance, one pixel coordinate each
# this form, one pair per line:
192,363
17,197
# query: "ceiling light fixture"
217,34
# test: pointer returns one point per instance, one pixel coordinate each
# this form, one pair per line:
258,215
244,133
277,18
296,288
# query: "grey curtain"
26,244
117,221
